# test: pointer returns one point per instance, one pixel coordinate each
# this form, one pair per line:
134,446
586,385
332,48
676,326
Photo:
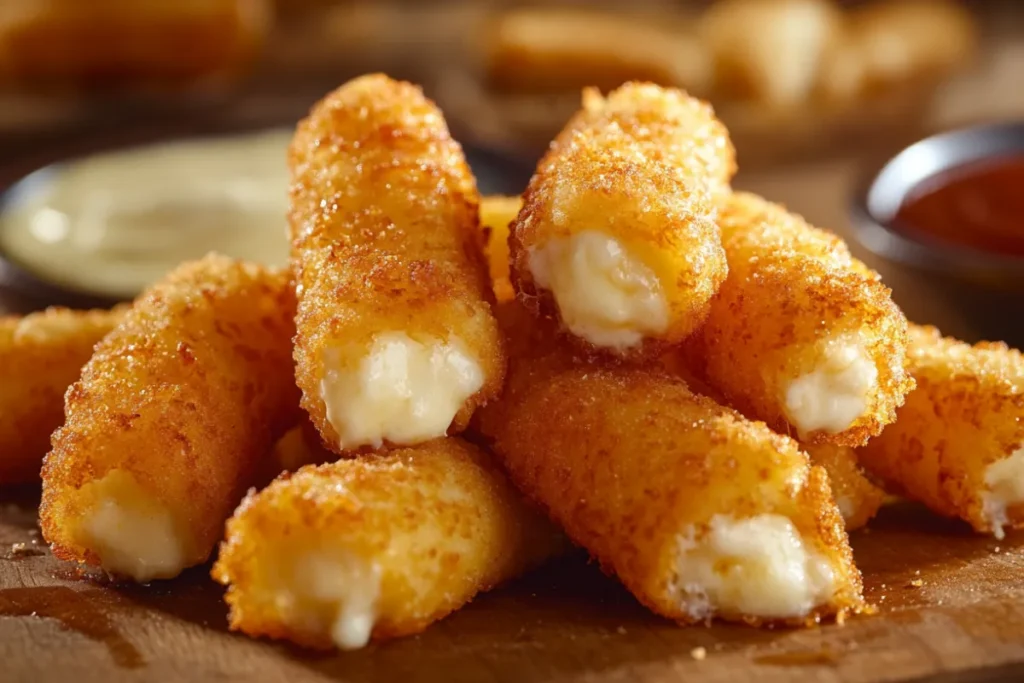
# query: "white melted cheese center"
757,567
604,295
340,593
837,392
132,534
403,391
1005,481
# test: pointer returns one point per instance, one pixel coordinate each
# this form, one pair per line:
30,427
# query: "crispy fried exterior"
966,412
640,168
439,520
626,460
496,214
187,395
857,498
41,355
791,286
385,236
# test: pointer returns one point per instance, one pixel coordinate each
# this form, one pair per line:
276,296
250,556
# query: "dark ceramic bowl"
988,287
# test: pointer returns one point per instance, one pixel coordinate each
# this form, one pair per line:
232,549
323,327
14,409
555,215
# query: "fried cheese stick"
41,355
617,234
171,420
699,512
857,498
958,442
376,547
802,335
396,340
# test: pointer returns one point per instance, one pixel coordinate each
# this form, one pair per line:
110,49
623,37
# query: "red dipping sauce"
978,205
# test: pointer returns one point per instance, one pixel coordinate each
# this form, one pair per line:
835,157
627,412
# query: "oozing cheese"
1005,481
758,567
604,294
403,390
837,392
336,592
132,534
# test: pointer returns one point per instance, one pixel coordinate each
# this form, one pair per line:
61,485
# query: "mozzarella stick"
171,421
617,235
496,214
802,335
396,340
376,547
958,442
856,496
41,355
699,512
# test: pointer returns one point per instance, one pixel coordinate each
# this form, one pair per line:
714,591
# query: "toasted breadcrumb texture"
180,403
857,497
433,525
633,176
639,470
41,355
385,238
792,293
965,418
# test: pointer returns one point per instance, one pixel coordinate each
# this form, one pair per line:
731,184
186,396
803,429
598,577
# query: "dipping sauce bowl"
952,207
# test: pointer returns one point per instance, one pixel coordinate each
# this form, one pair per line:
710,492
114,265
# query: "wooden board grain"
565,622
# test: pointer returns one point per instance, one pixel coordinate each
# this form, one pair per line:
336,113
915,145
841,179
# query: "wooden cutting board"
951,608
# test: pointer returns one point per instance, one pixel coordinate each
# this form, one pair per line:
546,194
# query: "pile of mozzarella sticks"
694,385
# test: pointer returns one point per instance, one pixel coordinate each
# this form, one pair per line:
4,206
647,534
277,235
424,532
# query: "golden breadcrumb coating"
641,471
617,234
496,214
958,442
794,295
171,420
385,239
857,498
41,355
385,544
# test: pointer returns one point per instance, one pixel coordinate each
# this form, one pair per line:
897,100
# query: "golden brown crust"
628,460
640,167
187,394
385,235
857,498
966,413
41,354
790,287
461,527
496,215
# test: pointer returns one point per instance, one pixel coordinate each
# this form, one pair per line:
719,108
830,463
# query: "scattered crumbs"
840,618
997,549
621,630
18,549
917,572
916,583
699,653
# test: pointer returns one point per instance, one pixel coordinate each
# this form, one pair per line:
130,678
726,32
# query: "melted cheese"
758,567
837,392
339,593
604,294
403,391
1005,481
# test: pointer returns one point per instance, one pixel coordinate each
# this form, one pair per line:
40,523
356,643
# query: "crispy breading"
793,293
958,442
41,355
617,234
856,496
384,544
653,479
386,241
496,215
171,420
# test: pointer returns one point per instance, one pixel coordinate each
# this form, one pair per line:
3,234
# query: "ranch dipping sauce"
113,223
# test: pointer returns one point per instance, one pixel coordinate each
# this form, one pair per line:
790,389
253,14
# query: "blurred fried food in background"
127,44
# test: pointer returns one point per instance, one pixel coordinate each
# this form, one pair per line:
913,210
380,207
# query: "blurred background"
811,90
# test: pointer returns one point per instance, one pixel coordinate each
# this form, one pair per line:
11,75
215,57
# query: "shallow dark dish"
989,287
